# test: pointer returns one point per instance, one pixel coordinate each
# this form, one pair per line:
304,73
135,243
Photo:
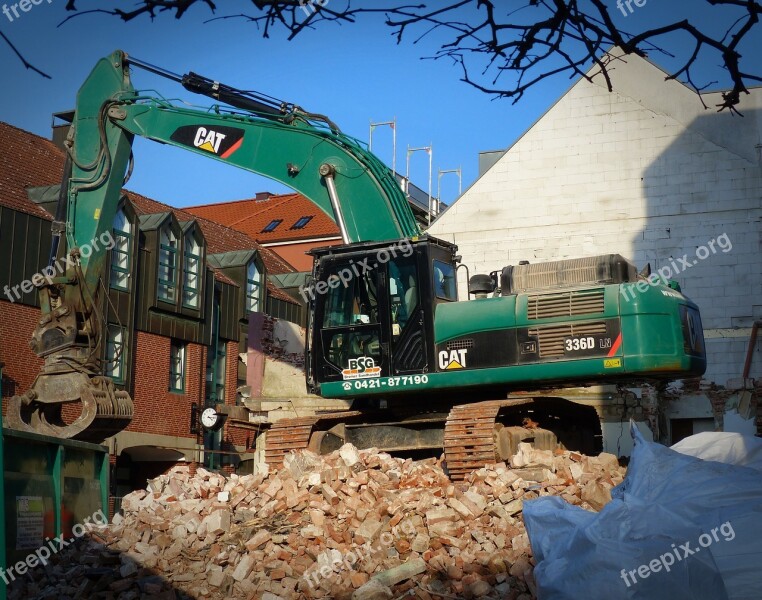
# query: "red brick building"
181,289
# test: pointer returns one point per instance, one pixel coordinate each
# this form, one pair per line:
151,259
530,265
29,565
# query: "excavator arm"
278,140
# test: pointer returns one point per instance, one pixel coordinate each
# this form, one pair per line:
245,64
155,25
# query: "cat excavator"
386,330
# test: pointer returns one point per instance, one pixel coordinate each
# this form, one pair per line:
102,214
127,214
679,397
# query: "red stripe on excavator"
232,149
615,347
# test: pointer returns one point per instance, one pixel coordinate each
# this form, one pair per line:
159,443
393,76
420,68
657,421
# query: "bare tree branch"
504,48
20,56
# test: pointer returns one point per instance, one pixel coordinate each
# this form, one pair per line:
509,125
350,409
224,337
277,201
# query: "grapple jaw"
105,410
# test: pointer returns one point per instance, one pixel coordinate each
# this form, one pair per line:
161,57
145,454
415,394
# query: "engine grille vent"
460,344
551,339
575,272
568,304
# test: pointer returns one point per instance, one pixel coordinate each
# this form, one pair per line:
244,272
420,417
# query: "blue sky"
353,73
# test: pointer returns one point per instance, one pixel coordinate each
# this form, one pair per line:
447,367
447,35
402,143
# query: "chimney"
61,124
263,196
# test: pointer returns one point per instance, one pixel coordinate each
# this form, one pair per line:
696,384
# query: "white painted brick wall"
643,172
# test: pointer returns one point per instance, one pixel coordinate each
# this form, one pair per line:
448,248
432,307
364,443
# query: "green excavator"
386,329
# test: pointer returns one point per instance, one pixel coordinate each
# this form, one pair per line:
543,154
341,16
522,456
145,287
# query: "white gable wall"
644,172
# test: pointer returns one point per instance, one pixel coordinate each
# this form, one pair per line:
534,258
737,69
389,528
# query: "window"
445,286
253,287
302,222
241,390
272,225
167,265
403,290
351,322
115,350
177,367
216,362
353,304
192,268
212,444
120,253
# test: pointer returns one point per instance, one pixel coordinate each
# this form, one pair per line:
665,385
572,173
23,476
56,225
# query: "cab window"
445,285
350,323
403,290
355,303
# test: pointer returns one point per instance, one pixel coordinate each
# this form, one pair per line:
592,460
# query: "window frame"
179,347
241,366
306,219
191,236
441,265
112,364
272,226
216,368
163,248
116,250
255,286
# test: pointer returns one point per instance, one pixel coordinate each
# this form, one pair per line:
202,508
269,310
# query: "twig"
27,65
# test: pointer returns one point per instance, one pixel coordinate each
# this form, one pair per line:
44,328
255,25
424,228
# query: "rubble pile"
359,525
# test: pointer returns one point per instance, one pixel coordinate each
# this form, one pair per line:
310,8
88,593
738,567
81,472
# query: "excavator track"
296,433
473,435
469,437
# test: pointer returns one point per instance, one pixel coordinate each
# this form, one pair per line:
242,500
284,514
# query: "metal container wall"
51,487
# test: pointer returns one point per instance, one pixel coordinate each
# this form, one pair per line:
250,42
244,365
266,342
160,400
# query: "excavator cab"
371,309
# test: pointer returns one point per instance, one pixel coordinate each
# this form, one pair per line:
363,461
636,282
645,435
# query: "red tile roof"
33,161
252,216
28,161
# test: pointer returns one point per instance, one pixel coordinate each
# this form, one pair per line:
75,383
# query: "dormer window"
120,253
167,264
192,271
253,288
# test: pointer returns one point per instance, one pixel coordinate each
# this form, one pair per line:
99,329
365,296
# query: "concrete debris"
352,525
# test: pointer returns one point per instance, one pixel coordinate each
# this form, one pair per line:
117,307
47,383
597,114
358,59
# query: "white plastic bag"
725,447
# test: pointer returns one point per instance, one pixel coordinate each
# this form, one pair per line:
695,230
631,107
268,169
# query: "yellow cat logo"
453,359
208,140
